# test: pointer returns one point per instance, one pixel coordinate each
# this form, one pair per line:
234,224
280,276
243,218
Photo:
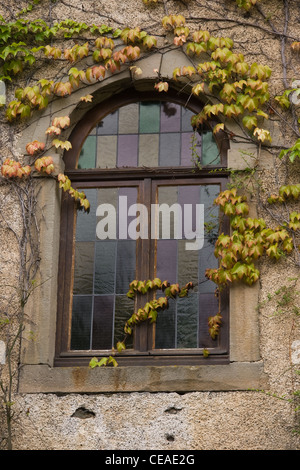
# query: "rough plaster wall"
232,420
142,421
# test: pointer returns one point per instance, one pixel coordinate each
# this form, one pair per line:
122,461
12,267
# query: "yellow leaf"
66,145
86,98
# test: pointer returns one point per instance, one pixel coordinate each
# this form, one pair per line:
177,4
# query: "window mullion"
143,332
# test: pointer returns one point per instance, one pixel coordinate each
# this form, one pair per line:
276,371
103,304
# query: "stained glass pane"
127,150
105,264
109,125
187,321
129,119
149,117
125,267
108,196
124,308
170,117
148,150
166,260
186,116
103,322
190,148
81,322
84,268
188,261
169,152
208,306
106,151
166,328
210,151
168,219
86,222
87,157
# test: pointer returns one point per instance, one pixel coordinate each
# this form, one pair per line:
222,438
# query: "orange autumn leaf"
35,147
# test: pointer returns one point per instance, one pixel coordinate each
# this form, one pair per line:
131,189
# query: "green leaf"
250,122
111,360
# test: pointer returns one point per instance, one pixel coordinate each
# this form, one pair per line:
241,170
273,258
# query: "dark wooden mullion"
143,333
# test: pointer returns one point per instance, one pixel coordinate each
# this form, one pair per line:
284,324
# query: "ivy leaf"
62,88
95,73
35,147
66,145
44,165
250,122
218,127
152,315
149,41
53,130
239,270
86,98
104,42
197,89
54,52
162,86
61,122
120,346
262,134
112,360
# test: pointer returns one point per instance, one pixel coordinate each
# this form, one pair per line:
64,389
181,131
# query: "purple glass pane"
189,140
170,117
127,150
166,260
186,125
208,306
109,125
169,151
188,198
103,322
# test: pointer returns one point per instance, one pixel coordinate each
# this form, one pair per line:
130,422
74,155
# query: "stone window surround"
37,374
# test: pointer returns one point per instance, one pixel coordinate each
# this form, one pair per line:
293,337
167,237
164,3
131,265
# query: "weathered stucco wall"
199,419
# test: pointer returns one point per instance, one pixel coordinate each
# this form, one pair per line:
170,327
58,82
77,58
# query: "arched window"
152,216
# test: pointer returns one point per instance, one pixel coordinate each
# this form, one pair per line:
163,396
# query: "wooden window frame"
145,179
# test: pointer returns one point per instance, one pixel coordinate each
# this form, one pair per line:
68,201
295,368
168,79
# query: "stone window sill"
230,377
